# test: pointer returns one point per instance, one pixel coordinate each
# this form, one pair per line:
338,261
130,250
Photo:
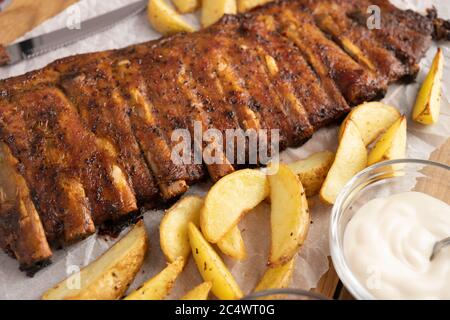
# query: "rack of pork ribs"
86,141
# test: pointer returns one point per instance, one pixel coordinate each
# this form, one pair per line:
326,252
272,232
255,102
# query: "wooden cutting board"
22,16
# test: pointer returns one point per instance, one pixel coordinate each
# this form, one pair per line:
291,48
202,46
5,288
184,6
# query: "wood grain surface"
22,16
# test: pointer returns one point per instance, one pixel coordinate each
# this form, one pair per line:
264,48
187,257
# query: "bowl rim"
286,291
344,272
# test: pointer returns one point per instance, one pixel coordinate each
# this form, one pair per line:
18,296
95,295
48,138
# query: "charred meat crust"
45,133
148,125
358,42
31,270
297,78
441,29
191,100
406,33
92,89
21,230
160,68
90,136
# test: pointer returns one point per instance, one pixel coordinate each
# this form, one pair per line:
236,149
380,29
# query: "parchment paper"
313,259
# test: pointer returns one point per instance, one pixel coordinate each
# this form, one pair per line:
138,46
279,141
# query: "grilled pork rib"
91,86
148,125
74,183
21,231
88,139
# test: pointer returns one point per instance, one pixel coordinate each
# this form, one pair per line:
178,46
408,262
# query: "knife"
42,44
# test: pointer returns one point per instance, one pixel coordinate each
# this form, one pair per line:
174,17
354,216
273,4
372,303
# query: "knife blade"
42,44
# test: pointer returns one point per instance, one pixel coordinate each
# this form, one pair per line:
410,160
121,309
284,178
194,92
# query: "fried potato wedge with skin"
233,245
186,6
392,145
371,119
247,5
313,171
214,10
229,199
200,292
351,158
289,218
173,231
158,287
109,277
165,19
428,103
277,278
212,268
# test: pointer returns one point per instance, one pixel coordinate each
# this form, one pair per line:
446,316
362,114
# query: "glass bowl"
285,294
381,180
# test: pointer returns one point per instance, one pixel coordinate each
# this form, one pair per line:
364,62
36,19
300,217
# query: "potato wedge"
214,10
186,6
392,145
371,119
200,292
289,218
173,231
428,103
277,278
233,245
212,268
351,158
165,19
247,5
109,277
229,199
158,287
313,171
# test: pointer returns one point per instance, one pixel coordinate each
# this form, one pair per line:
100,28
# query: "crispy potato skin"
109,277
186,6
372,119
173,231
158,287
200,292
428,104
121,276
247,5
165,19
351,158
313,171
229,200
277,278
290,217
392,145
233,245
212,268
213,10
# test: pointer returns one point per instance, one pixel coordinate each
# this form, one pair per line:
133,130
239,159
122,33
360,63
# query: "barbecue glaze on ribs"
87,140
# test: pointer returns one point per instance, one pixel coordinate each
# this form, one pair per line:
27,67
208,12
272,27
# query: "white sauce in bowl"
388,244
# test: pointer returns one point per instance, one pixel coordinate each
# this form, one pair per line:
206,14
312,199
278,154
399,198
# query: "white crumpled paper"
313,259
